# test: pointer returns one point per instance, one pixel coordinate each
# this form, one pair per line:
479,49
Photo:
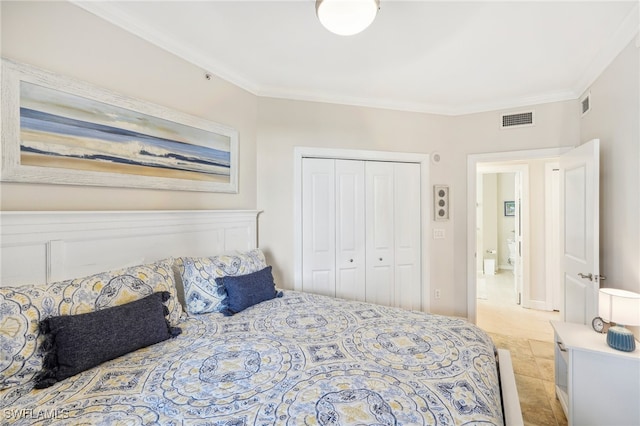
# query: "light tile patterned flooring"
527,334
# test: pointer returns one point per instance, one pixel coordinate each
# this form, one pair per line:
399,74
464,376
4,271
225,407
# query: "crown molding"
449,110
340,99
521,102
626,32
110,12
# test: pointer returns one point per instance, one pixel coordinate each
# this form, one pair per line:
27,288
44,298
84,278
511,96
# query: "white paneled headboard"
44,247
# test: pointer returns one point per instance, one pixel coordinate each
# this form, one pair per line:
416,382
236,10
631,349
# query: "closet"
361,230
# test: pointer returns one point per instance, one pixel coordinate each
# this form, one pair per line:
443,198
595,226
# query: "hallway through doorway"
498,311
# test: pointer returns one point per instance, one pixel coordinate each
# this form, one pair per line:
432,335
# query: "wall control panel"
440,202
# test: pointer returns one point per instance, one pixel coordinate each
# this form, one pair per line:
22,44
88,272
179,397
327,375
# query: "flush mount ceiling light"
346,17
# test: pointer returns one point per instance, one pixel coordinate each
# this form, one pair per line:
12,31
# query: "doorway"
502,203
512,264
531,244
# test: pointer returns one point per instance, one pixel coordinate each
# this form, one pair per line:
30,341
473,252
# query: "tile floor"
527,334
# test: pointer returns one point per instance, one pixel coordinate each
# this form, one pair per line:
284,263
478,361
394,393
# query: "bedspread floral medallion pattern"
22,308
300,359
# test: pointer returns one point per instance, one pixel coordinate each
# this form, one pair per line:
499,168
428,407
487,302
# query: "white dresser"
596,385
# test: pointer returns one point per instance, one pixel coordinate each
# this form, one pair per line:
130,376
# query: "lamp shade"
619,306
346,17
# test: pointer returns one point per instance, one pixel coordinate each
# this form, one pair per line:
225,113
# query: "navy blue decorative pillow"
244,291
74,343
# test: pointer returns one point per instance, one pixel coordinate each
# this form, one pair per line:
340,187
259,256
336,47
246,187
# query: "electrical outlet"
436,293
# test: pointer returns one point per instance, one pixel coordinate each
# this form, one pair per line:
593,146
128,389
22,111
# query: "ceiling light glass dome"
346,17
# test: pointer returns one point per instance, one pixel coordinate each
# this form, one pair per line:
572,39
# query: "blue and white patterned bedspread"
298,360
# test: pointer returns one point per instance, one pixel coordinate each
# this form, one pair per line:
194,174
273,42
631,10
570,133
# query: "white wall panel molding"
39,247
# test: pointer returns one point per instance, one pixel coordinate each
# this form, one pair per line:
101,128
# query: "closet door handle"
380,259
351,260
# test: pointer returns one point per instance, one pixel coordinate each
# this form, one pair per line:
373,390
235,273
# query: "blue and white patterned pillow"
202,293
22,308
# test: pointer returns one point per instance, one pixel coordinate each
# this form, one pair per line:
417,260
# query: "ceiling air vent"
518,119
586,103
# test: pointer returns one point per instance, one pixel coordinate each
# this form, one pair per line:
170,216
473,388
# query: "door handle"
589,276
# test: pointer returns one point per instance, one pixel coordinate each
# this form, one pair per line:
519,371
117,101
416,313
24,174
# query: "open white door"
579,231
518,265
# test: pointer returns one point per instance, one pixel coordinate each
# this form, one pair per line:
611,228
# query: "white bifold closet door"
333,256
393,234
350,230
361,231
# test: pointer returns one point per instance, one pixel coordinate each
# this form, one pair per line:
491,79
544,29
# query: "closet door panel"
318,226
362,231
407,231
380,239
403,295
350,230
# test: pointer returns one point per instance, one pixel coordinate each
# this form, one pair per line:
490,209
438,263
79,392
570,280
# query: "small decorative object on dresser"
598,324
623,308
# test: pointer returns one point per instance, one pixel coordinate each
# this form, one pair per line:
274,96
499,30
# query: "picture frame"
59,130
509,208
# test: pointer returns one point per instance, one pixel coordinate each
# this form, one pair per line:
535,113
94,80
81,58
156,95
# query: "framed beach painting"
62,131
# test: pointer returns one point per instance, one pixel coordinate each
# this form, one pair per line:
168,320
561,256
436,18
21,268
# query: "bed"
291,360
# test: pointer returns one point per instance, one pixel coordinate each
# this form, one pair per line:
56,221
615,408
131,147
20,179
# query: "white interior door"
350,230
479,254
318,226
579,205
552,235
518,265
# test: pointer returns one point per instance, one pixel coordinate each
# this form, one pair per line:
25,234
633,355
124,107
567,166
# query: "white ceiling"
441,57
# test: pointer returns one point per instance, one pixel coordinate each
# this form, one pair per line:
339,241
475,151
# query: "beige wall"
615,119
284,124
556,125
65,39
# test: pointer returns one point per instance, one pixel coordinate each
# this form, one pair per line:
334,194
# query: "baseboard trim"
539,305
